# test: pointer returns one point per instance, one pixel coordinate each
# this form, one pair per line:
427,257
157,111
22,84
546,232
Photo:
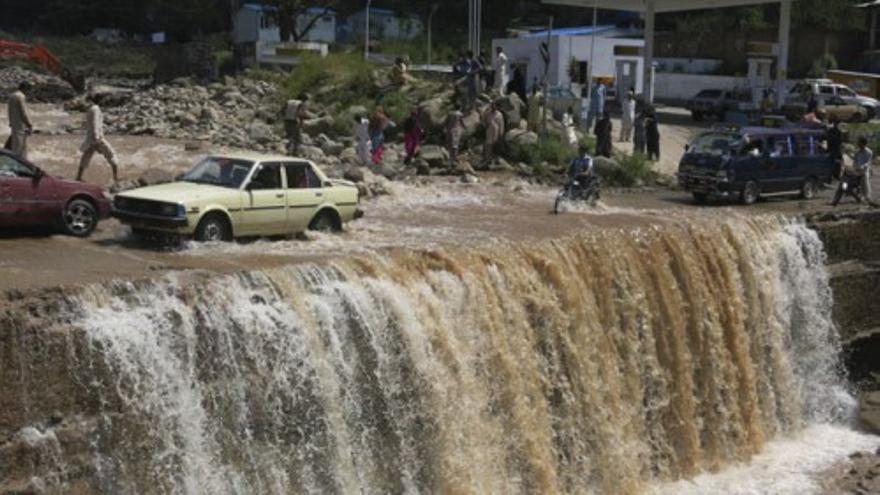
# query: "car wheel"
325,222
700,198
750,193
213,228
809,189
80,218
869,113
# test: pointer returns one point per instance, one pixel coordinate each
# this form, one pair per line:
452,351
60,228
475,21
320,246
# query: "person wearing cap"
19,120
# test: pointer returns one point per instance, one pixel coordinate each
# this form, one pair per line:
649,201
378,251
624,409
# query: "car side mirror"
327,183
687,148
38,174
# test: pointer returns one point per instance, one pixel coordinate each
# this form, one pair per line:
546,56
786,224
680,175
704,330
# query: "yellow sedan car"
230,196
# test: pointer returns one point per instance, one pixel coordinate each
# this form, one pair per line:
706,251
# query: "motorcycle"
586,189
850,184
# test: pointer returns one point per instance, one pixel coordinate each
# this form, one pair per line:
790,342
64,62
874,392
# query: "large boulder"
260,132
605,166
435,156
471,125
154,176
319,125
312,153
512,107
434,114
110,96
521,137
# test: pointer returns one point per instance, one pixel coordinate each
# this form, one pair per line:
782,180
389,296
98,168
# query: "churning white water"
612,363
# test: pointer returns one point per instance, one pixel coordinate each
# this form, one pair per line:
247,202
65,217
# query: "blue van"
752,162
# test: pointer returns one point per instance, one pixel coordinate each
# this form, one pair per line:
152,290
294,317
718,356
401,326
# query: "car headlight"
173,210
107,196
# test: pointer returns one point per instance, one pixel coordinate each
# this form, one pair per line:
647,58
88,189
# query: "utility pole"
434,8
475,20
546,76
367,32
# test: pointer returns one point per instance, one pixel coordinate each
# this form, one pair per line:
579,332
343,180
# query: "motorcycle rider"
581,168
855,180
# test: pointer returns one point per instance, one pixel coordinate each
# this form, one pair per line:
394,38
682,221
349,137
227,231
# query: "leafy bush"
549,149
347,71
632,170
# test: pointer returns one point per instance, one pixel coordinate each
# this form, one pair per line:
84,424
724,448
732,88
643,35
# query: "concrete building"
254,23
617,54
323,29
385,24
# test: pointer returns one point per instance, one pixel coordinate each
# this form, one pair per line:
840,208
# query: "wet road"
419,215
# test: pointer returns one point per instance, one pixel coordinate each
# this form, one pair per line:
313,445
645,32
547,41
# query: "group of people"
638,123
21,128
477,74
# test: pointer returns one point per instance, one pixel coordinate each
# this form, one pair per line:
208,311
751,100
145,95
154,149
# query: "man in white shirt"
500,71
96,143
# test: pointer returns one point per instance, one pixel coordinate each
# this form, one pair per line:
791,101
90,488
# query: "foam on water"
787,466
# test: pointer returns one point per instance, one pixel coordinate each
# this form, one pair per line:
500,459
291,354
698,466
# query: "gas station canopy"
650,9
660,6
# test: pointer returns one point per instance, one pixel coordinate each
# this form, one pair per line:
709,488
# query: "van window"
804,145
826,90
716,144
780,146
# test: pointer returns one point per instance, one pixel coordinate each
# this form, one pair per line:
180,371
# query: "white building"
617,55
386,24
324,28
255,23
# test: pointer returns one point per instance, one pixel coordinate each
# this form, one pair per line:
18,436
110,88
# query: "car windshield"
224,172
715,144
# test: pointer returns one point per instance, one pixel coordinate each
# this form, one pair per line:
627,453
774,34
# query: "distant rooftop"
258,8
321,10
572,31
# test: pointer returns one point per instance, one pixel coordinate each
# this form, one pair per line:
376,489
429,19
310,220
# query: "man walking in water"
19,120
95,143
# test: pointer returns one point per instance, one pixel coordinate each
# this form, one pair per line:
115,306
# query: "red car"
31,198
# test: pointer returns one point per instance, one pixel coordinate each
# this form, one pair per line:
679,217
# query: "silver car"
560,99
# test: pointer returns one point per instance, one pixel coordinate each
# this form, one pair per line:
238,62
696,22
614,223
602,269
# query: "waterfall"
595,363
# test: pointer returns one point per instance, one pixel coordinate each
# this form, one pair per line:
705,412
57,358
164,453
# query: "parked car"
229,196
29,197
749,163
831,107
560,99
708,102
826,88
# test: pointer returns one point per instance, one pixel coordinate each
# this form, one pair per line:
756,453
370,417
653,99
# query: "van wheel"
809,189
750,193
213,228
700,198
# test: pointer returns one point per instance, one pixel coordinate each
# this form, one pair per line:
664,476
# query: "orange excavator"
42,56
